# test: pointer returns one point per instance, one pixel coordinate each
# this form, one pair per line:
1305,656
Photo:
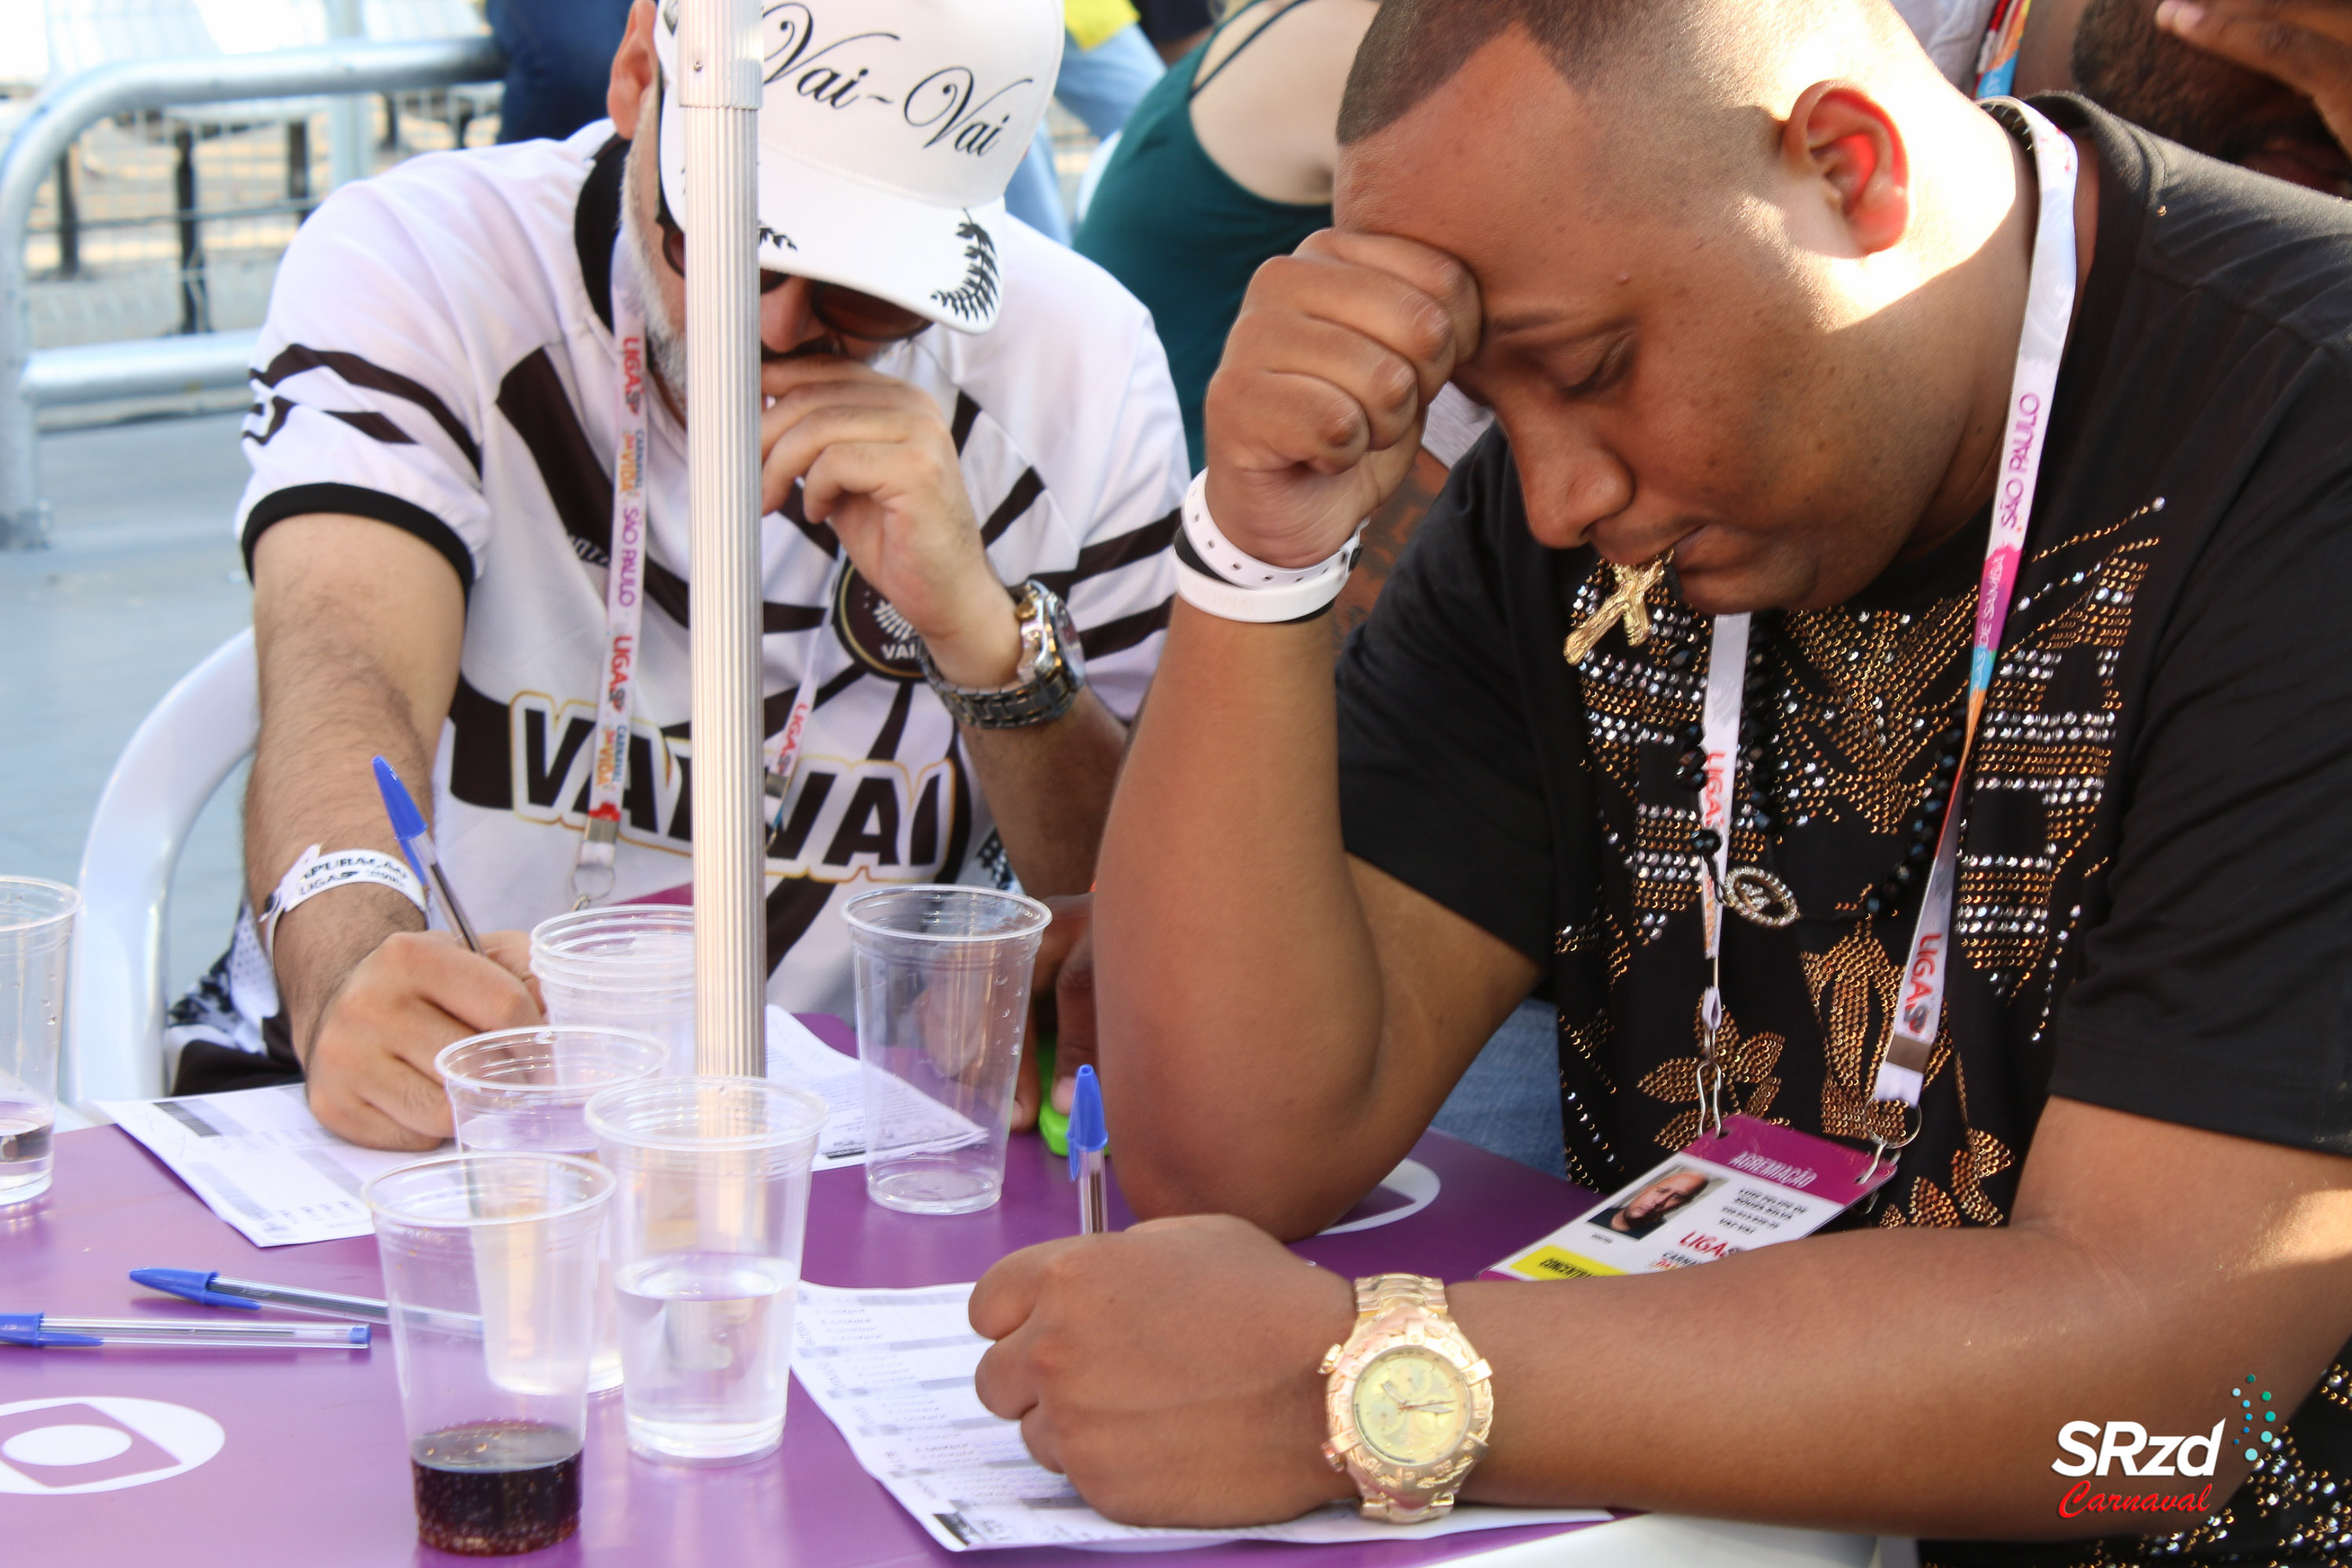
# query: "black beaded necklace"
1763,772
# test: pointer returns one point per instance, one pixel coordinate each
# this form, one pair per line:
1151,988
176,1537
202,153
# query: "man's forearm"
1906,1382
356,630
1240,991
1049,788
1912,1381
312,784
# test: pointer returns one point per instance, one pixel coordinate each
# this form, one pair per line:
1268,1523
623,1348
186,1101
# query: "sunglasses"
842,310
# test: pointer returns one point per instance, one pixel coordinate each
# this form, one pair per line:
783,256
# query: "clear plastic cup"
711,1210
490,1267
528,1090
627,966
942,977
37,922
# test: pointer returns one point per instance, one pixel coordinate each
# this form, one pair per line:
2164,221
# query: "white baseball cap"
888,129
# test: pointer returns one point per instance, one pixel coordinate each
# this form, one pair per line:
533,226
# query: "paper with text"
893,1369
260,1161
797,1057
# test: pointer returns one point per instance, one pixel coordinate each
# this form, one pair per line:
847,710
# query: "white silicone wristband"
1261,606
1240,587
1228,560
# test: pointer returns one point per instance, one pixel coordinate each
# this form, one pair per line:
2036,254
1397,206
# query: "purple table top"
314,1466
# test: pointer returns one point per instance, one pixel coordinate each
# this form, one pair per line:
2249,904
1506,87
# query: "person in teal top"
1225,162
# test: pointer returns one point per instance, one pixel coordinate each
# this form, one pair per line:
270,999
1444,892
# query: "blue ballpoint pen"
1089,1139
41,1331
219,1290
416,844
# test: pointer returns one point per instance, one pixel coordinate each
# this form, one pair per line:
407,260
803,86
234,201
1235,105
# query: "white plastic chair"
194,738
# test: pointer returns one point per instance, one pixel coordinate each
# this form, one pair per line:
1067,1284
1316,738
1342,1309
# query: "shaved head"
1415,47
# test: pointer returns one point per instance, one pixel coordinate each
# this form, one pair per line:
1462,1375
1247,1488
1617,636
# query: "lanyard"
783,748
592,872
2049,306
1997,56
625,598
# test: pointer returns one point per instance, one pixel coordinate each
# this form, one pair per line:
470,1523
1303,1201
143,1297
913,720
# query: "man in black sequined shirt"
1745,280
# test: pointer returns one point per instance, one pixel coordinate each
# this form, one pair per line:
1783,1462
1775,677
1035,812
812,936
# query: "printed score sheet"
260,1161
893,1371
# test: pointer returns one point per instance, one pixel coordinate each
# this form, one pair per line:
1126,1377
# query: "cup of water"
625,966
710,1213
943,985
37,921
490,1270
528,1090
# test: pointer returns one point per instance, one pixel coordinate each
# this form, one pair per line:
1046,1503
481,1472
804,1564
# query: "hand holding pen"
416,845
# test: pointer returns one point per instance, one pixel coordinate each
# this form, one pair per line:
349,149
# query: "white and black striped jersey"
439,355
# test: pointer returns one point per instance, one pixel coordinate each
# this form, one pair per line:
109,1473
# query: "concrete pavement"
142,579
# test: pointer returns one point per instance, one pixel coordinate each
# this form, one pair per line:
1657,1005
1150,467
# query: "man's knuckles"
1072,1270
1037,1435
1392,386
1334,426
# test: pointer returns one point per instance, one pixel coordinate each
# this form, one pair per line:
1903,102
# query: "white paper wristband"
313,873
1219,578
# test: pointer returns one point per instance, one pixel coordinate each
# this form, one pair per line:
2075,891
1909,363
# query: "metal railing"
159,365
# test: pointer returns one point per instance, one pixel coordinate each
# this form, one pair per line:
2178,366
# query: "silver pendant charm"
1755,894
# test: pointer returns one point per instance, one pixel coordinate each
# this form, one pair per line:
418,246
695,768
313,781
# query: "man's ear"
635,66
1840,136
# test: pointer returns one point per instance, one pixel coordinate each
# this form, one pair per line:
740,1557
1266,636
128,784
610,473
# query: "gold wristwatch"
1409,1403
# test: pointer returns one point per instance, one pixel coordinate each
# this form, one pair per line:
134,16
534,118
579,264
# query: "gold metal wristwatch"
1409,1403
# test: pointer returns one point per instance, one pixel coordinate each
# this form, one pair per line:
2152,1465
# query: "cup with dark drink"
490,1270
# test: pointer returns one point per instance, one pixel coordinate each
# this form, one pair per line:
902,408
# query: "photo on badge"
1652,1207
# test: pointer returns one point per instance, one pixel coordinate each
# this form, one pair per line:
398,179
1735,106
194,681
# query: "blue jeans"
1102,85
1509,1102
559,63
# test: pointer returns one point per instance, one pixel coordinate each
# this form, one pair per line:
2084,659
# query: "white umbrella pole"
719,92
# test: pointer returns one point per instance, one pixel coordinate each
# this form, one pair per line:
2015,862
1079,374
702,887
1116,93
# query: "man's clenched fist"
1315,414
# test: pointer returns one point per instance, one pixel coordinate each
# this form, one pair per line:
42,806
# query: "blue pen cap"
25,1328
408,822
193,1284
1088,1133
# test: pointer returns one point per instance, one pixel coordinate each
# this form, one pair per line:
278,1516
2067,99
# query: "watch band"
313,873
1377,1293
1055,670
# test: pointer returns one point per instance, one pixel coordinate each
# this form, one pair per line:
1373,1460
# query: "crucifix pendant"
1626,603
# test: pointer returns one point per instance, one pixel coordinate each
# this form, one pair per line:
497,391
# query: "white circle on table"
91,1429
1411,1181
65,1444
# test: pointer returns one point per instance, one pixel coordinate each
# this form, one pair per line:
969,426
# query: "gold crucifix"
1625,603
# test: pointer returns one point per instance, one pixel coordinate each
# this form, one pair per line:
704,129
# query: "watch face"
1411,1406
